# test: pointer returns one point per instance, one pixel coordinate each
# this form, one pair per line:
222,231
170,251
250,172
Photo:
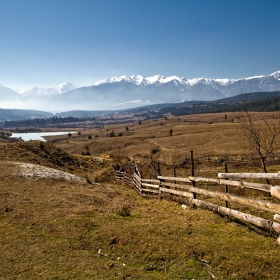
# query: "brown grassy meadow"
55,229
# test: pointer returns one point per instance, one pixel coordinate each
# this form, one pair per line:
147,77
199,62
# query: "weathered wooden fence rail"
186,189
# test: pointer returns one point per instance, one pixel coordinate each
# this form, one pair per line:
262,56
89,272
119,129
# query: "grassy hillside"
57,229
212,137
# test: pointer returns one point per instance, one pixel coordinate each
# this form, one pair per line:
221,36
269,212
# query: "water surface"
39,135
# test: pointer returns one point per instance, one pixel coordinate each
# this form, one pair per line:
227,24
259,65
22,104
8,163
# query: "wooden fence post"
226,186
174,173
159,168
192,170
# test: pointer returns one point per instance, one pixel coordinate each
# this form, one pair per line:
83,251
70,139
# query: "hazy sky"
47,42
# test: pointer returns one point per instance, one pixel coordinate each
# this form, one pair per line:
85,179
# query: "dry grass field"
53,228
208,134
211,137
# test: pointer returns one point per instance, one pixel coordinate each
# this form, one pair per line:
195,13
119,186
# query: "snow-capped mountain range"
40,91
159,80
122,92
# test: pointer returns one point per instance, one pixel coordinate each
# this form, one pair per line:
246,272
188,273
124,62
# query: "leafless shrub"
124,210
259,134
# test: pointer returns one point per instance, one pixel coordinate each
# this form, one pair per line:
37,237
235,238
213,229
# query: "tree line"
45,121
268,105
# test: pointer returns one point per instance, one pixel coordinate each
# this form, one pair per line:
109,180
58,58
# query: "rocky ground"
35,171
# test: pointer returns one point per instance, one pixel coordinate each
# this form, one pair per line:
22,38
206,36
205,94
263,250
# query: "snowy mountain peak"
158,80
276,75
254,77
116,79
64,87
59,89
141,80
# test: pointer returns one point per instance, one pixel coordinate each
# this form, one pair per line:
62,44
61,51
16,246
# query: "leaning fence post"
159,168
192,170
141,176
226,186
175,175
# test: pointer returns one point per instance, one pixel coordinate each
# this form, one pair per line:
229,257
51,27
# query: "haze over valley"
122,92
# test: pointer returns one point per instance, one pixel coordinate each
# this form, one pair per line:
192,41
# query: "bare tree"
260,132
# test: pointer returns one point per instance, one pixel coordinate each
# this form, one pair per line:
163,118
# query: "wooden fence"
188,189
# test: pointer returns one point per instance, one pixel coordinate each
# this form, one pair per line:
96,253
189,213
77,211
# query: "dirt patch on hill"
35,171
45,155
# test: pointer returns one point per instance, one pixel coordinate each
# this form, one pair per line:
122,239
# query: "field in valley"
59,228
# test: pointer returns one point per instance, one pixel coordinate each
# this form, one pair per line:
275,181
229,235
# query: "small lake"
39,135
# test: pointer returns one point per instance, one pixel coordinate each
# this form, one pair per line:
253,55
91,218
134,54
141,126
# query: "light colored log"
260,222
137,170
257,203
249,175
136,183
178,187
186,194
275,191
249,185
137,177
171,185
256,186
150,185
230,183
206,180
151,180
276,217
177,179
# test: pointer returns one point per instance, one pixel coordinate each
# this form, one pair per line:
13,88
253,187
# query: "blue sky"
47,42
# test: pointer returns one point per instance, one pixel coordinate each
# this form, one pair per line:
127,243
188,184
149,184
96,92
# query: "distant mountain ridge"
262,101
123,92
159,80
41,91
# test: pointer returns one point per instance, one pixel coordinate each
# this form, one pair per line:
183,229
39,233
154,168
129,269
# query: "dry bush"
260,135
105,175
124,210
